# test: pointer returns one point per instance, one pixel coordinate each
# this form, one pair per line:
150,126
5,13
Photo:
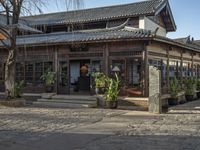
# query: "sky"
186,14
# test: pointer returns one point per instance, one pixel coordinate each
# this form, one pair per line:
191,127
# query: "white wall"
146,23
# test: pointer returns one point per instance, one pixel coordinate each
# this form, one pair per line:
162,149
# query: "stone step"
68,101
74,97
63,105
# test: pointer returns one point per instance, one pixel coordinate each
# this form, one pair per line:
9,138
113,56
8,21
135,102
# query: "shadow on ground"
84,141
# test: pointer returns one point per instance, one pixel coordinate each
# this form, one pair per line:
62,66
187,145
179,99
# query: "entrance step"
74,97
67,101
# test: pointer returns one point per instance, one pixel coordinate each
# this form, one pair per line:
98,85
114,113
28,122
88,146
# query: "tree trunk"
10,75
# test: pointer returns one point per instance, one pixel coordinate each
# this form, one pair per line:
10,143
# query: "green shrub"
48,77
174,87
198,85
112,89
189,86
18,88
100,79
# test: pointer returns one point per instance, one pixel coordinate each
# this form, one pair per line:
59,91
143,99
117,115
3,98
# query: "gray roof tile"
95,14
82,36
188,42
197,42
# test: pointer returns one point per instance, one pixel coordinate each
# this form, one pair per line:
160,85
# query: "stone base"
13,103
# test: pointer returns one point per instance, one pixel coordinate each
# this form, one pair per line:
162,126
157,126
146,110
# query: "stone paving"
18,125
97,129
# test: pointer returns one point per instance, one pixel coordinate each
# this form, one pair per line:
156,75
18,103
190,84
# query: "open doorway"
80,77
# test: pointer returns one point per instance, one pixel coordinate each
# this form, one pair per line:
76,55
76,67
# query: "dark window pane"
29,72
1,71
38,72
19,71
48,66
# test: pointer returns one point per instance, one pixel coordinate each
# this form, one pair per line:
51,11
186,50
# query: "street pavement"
99,129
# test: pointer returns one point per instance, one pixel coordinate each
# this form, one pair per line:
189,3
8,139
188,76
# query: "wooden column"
146,72
106,59
192,67
56,68
142,70
167,69
181,76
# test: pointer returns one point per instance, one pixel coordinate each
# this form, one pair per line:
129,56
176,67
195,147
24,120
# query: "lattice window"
2,68
63,73
121,66
20,72
39,67
48,66
29,70
126,53
96,66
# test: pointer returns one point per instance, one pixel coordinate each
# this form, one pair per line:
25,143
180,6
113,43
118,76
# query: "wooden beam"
106,59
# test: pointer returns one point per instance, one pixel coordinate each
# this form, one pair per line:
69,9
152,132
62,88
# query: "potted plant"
189,89
18,88
112,92
100,82
174,89
49,79
198,88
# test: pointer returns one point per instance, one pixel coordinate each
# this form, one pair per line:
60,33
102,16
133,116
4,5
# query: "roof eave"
160,8
159,39
87,42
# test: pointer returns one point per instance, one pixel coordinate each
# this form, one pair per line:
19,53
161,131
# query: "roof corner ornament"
188,39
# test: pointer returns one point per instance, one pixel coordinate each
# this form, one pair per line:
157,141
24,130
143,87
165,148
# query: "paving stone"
119,129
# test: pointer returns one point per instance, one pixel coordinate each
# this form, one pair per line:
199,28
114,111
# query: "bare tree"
12,10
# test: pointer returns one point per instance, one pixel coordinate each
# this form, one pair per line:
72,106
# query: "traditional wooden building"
131,37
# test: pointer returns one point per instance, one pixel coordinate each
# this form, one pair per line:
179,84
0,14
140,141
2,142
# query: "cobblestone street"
97,129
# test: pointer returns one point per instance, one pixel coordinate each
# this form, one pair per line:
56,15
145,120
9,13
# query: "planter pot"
97,90
189,97
111,104
49,88
198,95
173,101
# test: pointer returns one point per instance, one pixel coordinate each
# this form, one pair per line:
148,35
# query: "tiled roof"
22,26
120,33
184,40
96,14
197,42
188,42
83,36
